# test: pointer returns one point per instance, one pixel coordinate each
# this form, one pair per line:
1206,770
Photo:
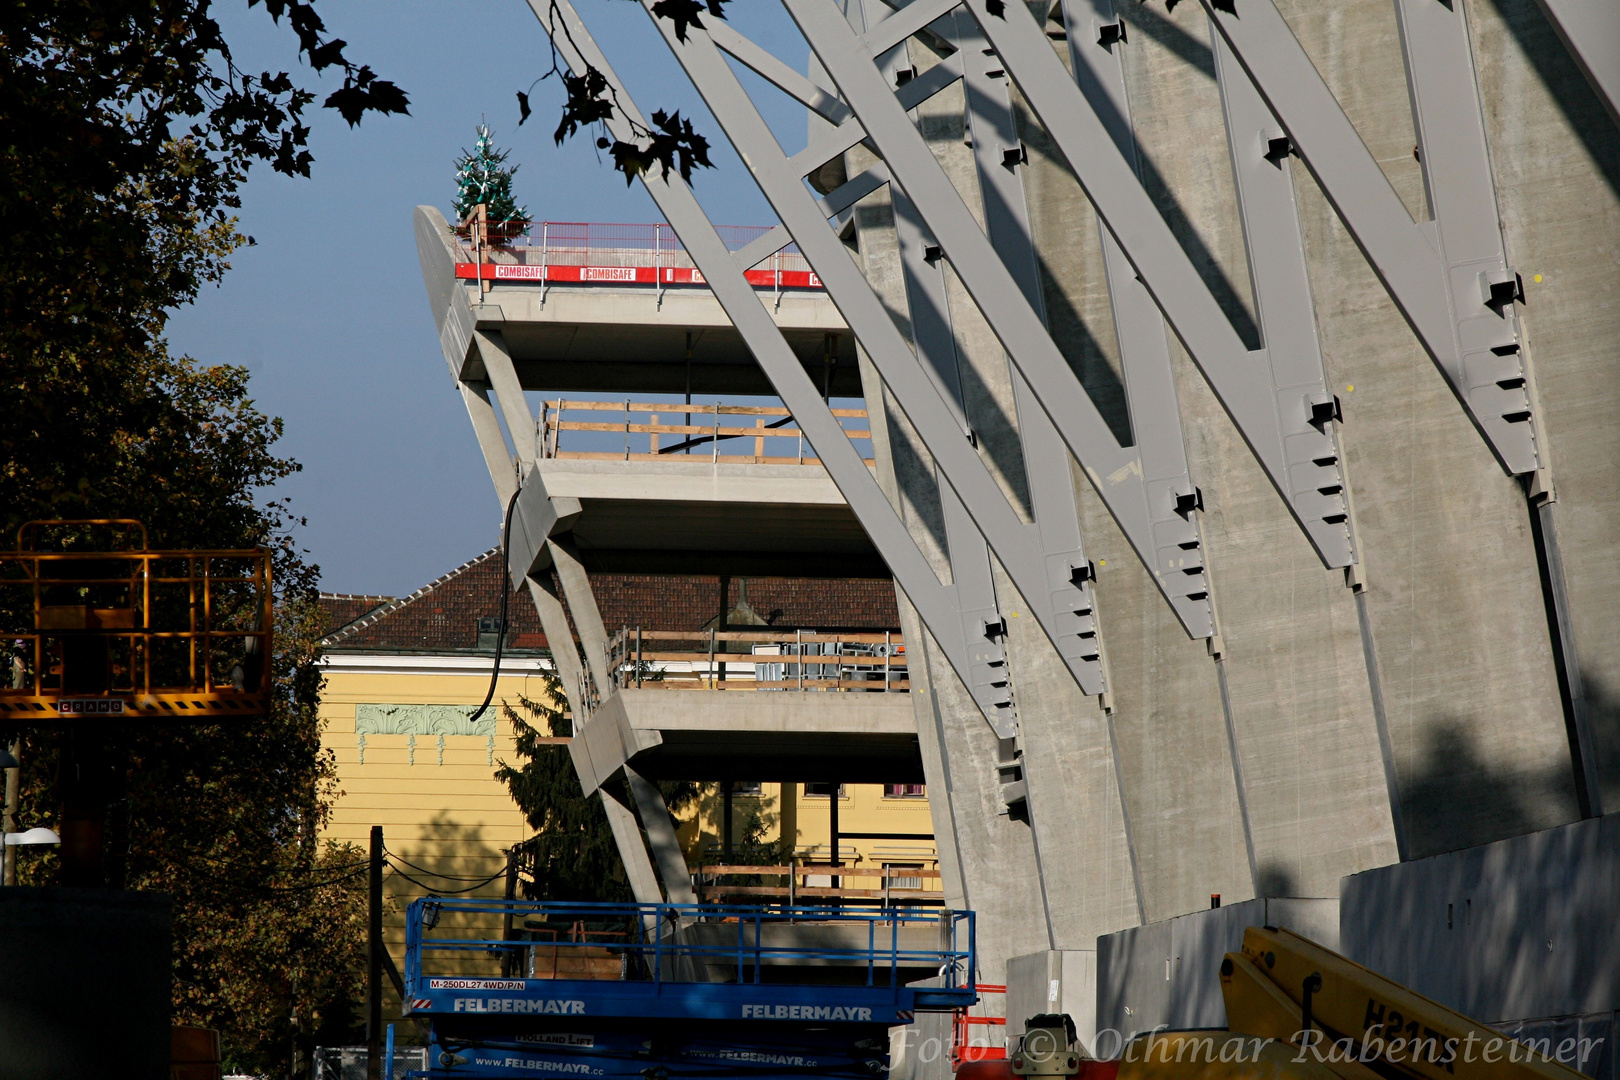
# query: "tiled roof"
442,616
343,608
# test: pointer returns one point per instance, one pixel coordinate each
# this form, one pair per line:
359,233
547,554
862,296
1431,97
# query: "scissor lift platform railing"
669,972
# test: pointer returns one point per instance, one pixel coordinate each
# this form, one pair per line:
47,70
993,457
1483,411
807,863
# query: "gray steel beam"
993,130
1448,277
934,338
1139,329
1116,471
1014,542
1590,30
1286,314
935,603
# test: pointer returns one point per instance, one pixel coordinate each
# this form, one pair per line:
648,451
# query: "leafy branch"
671,141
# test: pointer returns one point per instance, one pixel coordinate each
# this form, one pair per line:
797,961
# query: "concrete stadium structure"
1242,386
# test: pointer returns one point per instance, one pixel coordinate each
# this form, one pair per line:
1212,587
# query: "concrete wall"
1518,929
1257,769
1167,974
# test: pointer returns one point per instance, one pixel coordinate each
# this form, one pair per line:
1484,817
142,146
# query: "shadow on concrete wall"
1455,798
1575,97
1276,879
1603,718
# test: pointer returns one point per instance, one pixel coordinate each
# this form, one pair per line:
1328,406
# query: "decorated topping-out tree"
482,176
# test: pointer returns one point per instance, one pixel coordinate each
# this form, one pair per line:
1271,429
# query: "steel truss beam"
1139,330
932,335
1449,277
1125,208
936,604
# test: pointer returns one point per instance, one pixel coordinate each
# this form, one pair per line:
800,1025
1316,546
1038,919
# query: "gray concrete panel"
1056,981
1167,974
1520,928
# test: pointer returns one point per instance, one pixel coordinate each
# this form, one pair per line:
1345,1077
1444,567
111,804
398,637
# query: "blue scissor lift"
522,989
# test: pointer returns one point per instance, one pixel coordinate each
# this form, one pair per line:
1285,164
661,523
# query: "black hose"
506,596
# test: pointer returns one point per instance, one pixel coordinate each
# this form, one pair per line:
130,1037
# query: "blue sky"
328,310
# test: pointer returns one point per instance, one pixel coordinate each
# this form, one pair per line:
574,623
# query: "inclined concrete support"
497,457
666,846
520,427
593,637
637,866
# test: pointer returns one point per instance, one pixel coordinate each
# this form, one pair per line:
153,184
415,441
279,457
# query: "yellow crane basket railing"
92,629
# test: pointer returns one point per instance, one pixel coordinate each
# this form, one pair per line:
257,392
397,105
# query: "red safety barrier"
627,275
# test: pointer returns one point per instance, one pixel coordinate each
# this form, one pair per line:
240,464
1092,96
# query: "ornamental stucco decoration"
436,720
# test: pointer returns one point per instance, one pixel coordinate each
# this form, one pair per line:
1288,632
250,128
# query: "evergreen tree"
482,177
573,852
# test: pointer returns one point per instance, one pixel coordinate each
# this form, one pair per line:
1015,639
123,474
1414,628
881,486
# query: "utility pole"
374,962
13,781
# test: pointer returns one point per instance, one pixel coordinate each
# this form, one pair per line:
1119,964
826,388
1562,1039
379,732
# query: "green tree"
128,131
482,177
572,852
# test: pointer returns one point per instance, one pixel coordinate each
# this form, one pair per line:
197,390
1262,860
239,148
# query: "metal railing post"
638,657
545,252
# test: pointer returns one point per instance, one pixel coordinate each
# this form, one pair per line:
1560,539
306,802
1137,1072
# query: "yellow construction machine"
1297,1011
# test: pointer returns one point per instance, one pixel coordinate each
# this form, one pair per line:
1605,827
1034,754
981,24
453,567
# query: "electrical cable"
506,596
397,872
431,873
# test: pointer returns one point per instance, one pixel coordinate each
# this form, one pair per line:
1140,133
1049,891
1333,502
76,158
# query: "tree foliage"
572,855
128,131
670,143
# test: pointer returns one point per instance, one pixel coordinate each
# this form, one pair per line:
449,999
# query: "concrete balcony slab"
787,736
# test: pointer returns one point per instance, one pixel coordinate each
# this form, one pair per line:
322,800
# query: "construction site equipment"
664,989
98,624
1297,1010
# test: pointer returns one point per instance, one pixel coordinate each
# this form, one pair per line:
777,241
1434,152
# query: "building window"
823,789
902,880
744,787
904,791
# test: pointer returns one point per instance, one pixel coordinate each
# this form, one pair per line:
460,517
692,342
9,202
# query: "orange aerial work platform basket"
93,623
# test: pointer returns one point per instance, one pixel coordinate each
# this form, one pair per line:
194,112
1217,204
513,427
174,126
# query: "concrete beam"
750,735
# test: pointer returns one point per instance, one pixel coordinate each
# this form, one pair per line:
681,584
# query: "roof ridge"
387,609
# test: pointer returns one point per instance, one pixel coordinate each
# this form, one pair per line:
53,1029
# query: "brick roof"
442,616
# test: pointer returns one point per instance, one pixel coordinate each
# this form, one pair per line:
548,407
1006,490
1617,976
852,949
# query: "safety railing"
885,884
586,252
758,660
990,1046
642,431
125,629
685,943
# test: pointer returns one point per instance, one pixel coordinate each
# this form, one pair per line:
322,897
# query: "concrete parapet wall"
1521,928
